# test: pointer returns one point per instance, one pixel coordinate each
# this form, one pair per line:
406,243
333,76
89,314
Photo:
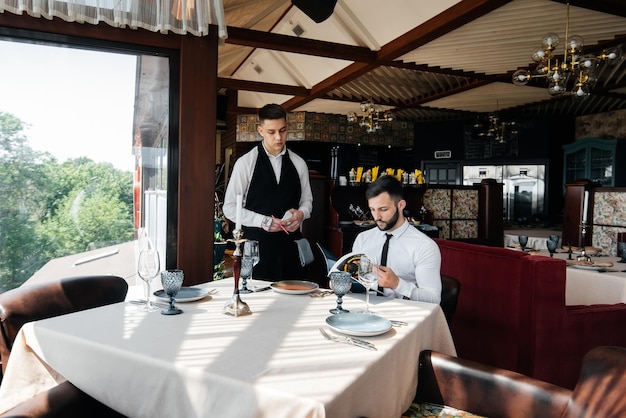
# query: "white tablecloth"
202,363
536,238
590,287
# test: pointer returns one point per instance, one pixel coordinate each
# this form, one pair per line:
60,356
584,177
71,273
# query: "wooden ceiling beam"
233,84
278,42
445,22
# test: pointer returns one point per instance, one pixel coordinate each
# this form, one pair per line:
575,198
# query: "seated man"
409,266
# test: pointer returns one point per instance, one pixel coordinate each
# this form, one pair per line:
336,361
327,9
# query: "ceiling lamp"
496,129
372,117
576,73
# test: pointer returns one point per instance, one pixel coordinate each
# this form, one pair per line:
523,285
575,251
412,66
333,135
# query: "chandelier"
372,117
496,129
576,73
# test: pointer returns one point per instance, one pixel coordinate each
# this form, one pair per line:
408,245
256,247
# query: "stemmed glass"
148,268
250,252
245,273
523,241
172,280
367,277
340,282
551,246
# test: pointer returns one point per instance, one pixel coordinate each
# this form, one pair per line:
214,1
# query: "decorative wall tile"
465,204
438,202
324,127
461,229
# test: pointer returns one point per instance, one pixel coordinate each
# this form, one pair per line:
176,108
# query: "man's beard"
392,221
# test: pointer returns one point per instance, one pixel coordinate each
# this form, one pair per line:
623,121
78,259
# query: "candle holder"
583,256
237,307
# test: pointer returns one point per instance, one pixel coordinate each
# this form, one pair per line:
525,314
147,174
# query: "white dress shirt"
414,258
242,176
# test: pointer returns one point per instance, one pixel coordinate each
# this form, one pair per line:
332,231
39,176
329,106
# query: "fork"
348,340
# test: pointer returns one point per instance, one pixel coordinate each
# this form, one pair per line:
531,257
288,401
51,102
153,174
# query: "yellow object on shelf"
399,174
418,177
375,173
359,174
390,171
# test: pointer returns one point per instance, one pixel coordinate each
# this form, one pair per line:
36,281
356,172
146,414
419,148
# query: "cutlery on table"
348,340
143,302
399,323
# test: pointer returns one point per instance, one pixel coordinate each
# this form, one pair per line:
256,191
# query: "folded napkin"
304,251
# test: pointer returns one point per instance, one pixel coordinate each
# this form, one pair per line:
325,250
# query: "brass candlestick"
237,307
583,253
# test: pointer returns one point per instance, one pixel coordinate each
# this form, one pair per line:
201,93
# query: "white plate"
359,324
294,287
582,267
186,294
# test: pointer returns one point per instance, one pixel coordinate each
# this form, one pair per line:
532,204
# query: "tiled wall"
455,211
609,218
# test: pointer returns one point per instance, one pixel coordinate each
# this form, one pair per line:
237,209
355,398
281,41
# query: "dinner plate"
359,324
590,267
294,287
185,294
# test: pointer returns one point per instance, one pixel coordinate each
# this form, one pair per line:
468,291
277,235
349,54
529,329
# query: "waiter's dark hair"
272,111
388,184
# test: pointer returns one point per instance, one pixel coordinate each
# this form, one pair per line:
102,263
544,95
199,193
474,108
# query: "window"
77,202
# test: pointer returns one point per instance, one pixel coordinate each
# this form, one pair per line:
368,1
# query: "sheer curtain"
178,16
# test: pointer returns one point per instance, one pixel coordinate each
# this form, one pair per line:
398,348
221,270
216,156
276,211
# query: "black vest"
268,197
278,252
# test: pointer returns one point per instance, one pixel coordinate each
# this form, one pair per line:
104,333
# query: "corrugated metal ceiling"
426,60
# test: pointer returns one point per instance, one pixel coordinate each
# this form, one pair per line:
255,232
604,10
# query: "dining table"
602,282
274,362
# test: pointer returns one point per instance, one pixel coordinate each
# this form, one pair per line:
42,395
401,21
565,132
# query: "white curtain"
178,16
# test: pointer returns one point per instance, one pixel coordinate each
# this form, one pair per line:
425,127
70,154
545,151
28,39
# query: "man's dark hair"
272,112
388,184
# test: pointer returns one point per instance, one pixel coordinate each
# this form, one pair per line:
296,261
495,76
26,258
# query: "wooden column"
573,212
196,159
490,213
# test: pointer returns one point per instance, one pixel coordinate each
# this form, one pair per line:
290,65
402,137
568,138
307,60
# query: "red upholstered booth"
511,313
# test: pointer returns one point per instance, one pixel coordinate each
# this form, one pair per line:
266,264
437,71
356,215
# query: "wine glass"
367,277
523,241
340,282
245,273
172,280
551,246
148,268
251,251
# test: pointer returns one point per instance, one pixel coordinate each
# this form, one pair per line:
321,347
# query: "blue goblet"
172,280
340,282
523,241
551,246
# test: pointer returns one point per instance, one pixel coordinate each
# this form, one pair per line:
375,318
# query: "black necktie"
383,255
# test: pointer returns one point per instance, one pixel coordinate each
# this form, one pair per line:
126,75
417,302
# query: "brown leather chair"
450,288
45,300
493,392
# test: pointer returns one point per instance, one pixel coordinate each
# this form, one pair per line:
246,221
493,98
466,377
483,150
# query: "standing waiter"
277,198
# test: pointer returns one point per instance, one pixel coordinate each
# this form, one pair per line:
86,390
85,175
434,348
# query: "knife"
348,340
361,343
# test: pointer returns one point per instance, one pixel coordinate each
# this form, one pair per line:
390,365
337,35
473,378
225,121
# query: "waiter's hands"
387,278
288,224
292,223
